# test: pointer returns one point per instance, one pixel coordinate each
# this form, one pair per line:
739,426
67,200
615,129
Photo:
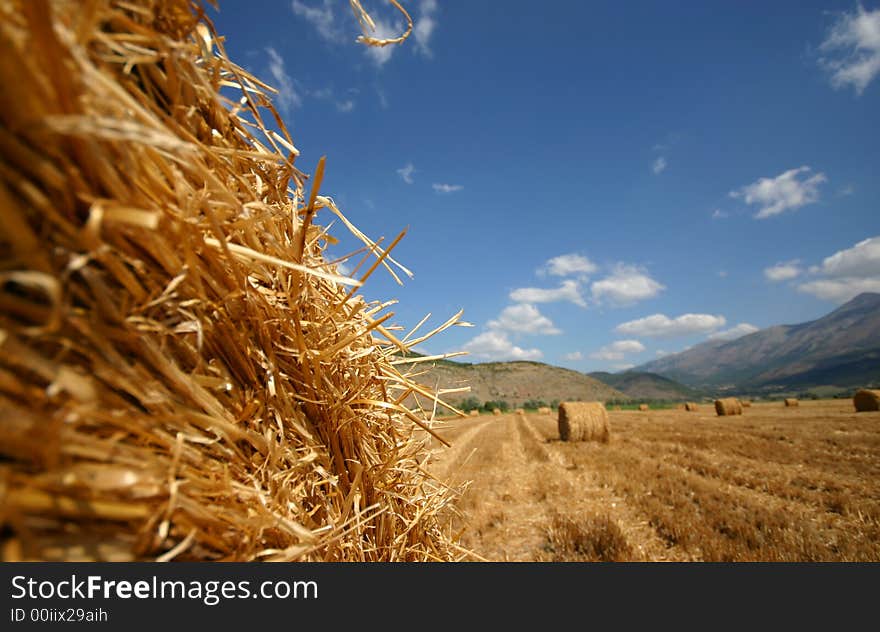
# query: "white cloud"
846,191
617,350
622,367
321,18
660,353
626,285
568,291
862,260
447,188
495,345
783,271
326,94
855,38
840,290
661,326
424,26
847,273
573,356
383,98
743,329
567,265
719,214
659,165
525,319
722,274
406,172
287,95
782,193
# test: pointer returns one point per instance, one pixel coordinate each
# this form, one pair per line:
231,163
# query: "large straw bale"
183,374
496,411
791,402
691,407
866,400
544,410
475,413
583,421
746,403
643,407
728,406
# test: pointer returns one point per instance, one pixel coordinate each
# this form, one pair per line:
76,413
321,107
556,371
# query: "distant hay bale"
746,403
643,407
496,411
520,411
583,421
790,402
618,407
544,410
681,407
728,406
691,407
866,400
475,413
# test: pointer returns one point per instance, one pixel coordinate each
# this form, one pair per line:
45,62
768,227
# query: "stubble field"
775,484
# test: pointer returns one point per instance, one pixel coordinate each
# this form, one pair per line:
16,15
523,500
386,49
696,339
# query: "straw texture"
183,375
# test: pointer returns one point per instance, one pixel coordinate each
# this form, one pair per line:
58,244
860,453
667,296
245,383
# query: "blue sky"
595,184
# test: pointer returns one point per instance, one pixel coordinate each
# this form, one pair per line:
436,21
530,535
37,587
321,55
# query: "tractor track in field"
520,480
590,496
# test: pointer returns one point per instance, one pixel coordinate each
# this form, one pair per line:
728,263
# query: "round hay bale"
866,400
475,413
746,403
728,406
178,359
643,407
583,421
691,407
618,407
496,411
544,410
790,402
520,411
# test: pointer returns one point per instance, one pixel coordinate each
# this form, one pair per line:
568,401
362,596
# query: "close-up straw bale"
184,374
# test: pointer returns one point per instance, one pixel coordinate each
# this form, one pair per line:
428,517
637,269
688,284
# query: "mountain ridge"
839,349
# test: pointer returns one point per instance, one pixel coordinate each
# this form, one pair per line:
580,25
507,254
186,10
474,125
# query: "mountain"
512,382
840,349
646,386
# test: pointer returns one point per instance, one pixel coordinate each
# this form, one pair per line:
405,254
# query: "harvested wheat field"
773,484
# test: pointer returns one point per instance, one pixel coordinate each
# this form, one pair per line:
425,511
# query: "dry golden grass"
768,486
592,538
